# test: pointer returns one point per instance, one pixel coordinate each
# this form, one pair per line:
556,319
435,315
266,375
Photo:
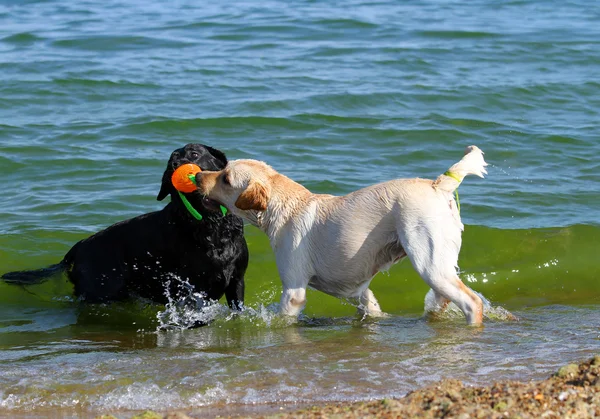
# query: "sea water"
337,95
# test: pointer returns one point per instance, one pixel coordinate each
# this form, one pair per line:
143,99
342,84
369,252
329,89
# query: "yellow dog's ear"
255,197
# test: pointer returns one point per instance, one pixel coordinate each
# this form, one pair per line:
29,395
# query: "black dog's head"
207,158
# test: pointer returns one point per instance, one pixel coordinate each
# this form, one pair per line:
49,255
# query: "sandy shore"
573,392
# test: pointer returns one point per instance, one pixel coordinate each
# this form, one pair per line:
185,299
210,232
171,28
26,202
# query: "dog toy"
184,177
184,180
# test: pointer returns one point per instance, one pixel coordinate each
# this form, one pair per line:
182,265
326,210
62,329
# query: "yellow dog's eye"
226,180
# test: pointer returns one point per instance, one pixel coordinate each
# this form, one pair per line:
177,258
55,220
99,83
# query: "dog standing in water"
142,256
337,244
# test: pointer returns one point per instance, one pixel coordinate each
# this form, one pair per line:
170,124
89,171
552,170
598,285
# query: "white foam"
139,396
212,395
452,311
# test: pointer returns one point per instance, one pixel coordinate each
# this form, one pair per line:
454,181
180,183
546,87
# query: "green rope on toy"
189,206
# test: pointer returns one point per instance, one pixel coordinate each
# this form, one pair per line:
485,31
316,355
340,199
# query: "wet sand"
573,391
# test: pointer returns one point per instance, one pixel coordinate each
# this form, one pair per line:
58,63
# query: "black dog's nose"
179,163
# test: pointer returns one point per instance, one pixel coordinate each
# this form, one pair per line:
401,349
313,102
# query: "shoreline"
573,391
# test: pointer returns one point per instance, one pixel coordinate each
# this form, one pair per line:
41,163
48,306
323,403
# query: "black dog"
155,253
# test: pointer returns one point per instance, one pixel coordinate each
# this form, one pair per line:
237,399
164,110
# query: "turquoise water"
336,95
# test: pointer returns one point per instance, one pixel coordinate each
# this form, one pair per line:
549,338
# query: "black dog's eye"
226,180
194,155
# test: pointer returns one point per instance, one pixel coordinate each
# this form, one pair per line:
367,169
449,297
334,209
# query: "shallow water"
337,95
64,362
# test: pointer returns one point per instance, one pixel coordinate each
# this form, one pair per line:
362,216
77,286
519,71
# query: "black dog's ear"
218,154
165,187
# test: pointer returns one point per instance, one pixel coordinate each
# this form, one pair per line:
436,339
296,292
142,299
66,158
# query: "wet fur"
337,244
139,257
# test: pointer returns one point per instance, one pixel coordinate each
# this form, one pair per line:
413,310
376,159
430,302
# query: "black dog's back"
157,254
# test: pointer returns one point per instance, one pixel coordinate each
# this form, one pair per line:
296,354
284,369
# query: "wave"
514,268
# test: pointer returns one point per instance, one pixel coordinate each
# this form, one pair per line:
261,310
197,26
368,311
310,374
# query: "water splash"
192,309
452,311
268,316
189,309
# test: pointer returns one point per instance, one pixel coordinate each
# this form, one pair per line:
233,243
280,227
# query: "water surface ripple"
337,95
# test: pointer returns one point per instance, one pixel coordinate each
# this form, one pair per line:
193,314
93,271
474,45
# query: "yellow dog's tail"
471,164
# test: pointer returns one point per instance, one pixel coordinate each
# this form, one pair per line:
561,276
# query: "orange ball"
182,177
